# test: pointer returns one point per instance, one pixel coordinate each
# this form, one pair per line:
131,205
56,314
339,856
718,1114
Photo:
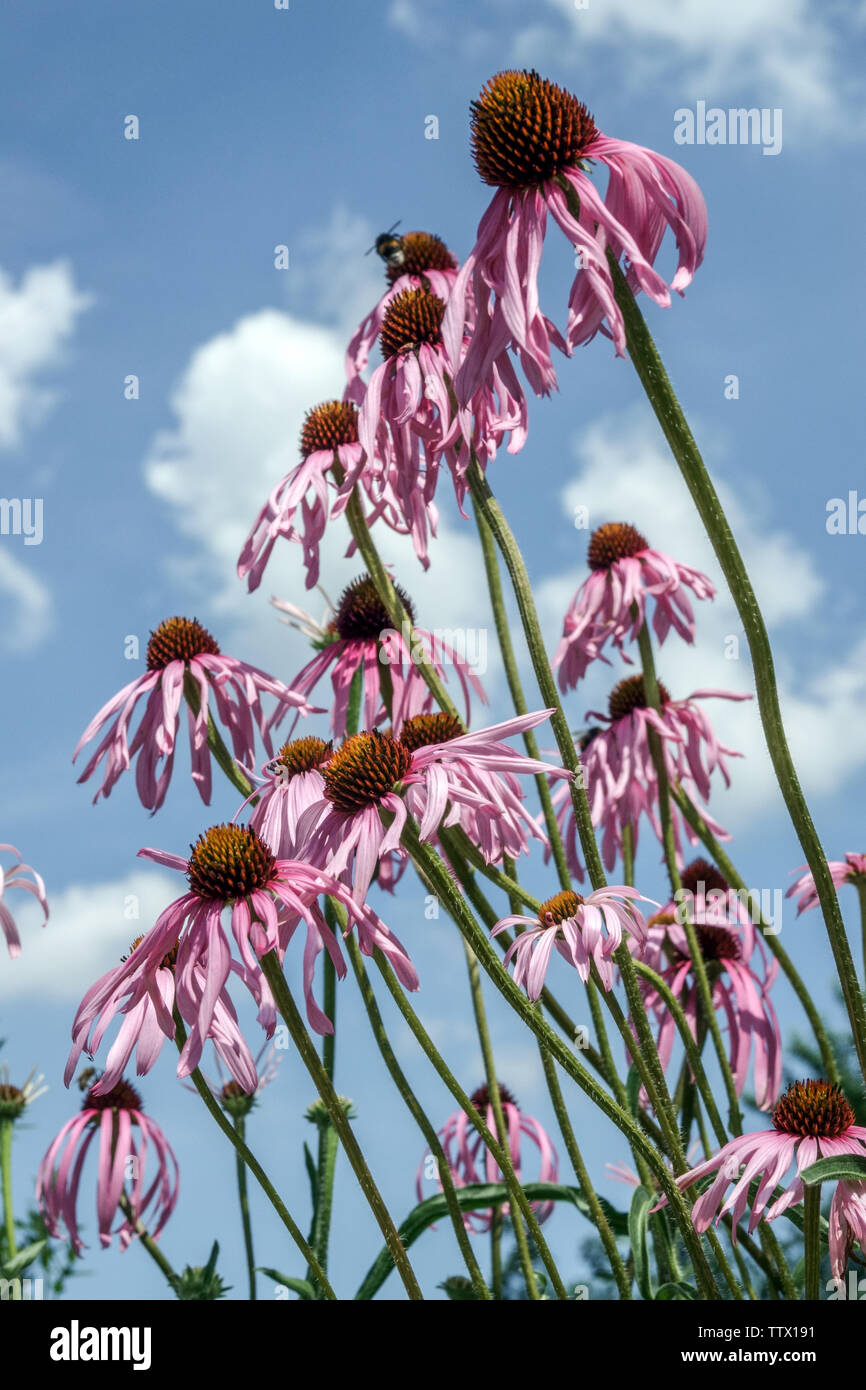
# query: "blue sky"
155,257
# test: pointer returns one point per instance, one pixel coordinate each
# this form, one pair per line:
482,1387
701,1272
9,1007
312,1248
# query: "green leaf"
845,1168
638,1226
679,1291
23,1258
459,1289
353,711
313,1175
477,1197
298,1286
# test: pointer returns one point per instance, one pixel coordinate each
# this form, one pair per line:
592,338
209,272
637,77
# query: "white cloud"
91,926
774,52
239,409
28,607
36,320
625,473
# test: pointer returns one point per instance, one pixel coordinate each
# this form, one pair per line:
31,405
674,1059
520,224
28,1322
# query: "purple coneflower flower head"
374,772
851,869
709,901
471,1162
812,1120
619,771
533,141
362,638
423,262
182,656
292,782
123,1169
582,930
472,776
316,491
16,877
146,1005
611,604
740,986
408,417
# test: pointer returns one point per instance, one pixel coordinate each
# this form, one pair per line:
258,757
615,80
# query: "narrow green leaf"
299,1286
638,1226
23,1258
845,1168
677,1291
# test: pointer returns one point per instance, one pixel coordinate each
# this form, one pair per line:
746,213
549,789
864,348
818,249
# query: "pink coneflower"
851,869
114,1118
740,986
471,1162
532,142
423,262
582,929
409,418
611,604
619,772
812,1120
709,900
182,653
361,637
316,491
292,782
146,1008
373,772
15,878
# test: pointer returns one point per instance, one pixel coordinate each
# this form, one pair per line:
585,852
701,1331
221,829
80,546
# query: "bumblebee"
86,1078
389,247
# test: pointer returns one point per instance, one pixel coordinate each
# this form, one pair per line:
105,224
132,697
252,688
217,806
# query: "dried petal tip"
815,1109
365,769
481,1098
630,695
361,615
412,318
120,1097
616,540
329,425
179,639
424,729
560,908
525,130
421,251
228,862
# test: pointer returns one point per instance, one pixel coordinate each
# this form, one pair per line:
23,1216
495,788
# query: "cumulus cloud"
625,473
28,606
37,318
90,928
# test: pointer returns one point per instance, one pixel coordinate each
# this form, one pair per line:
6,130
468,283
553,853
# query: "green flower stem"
744,1273
243,1198
418,1114
501,1155
326,1167
515,687
628,855
499,1120
487,506
448,893
6,1174
310,1057
704,988
662,398
812,1241
727,1273
861,894
774,1252
691,1049
496,1252
389,596
795,980
253,1164
147,1240
623,1282
215,741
